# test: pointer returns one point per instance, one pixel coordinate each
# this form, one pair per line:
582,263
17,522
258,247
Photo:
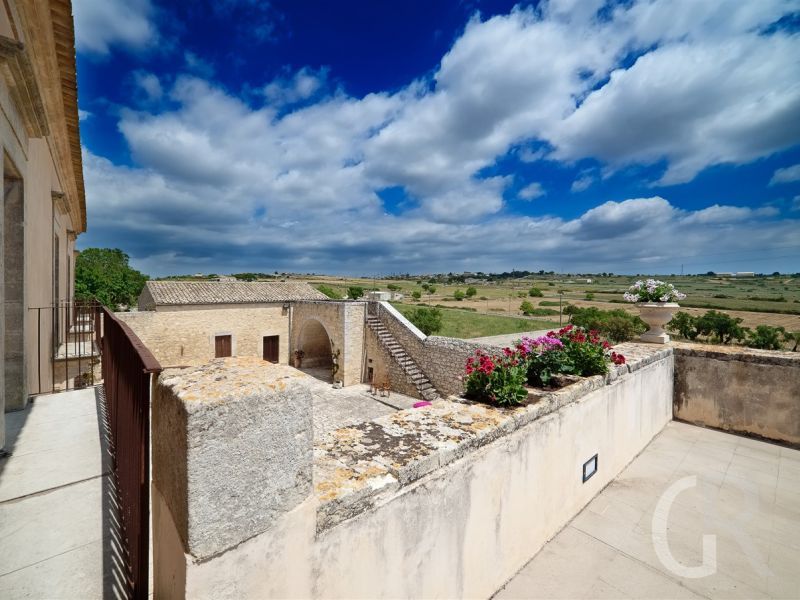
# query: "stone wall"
344,325
442,359
232,453
384,366
445,358
186,337
445,501
741,390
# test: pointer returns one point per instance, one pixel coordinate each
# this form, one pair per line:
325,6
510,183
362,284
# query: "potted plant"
298,358
656,301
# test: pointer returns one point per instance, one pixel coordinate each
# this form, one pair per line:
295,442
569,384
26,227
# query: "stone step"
420,381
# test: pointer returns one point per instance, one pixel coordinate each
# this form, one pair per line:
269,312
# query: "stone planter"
656,315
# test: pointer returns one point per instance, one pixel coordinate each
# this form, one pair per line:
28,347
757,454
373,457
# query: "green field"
466,324
769,300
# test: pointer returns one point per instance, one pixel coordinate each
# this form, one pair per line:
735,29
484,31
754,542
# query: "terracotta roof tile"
229,292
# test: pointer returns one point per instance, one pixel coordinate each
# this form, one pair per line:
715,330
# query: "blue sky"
388,137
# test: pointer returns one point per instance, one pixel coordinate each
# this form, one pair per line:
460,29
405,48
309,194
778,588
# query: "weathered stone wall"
344,324
406,334
186,337
444,360
385,366
411,504
315,343
741,390
232,453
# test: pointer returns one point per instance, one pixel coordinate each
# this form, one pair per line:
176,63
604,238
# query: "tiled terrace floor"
746,493
55,499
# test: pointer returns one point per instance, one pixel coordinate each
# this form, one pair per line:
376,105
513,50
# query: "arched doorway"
317,351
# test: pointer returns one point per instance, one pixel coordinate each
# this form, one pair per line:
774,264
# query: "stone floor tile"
739,497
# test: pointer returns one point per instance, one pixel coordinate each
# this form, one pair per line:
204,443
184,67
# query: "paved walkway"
337,408
746,493
54,498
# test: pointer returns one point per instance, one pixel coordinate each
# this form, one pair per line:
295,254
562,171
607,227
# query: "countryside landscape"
492,304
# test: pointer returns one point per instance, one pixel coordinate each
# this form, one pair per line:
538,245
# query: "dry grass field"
757,300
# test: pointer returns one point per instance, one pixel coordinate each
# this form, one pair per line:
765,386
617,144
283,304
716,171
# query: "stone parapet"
358,466
742,390
232,449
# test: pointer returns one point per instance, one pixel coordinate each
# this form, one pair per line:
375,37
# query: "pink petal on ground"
421,404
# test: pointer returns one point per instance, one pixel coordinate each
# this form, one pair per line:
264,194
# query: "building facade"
44,207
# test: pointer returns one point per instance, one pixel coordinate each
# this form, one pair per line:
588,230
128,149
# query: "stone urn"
656,315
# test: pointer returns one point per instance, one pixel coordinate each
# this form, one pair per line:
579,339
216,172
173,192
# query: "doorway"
270,348
222,346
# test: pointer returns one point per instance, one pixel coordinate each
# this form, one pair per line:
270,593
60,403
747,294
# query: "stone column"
14,295
232,481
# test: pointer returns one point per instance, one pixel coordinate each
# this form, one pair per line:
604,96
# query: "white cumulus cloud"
102,24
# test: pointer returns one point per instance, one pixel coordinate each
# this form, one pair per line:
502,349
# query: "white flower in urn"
653,290
656,303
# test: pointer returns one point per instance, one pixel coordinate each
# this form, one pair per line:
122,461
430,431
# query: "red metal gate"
127,370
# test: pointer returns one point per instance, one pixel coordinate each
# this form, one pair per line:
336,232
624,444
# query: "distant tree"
526,307
329,292
426,286
416,294
459,295
684,325
103,274
431,289
535,292
394,287
766,337
721,327
471,292
427,319
589,296
355,292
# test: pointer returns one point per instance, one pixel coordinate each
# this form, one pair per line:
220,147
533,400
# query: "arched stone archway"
315,344
342,324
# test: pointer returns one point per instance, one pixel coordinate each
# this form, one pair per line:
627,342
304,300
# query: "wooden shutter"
222,346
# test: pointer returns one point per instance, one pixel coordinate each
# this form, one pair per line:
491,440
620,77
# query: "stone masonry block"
232,449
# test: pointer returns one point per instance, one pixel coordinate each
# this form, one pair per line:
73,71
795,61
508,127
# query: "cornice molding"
24,89
60,202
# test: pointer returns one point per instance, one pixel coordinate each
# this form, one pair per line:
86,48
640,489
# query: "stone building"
43,205
190,322
187,323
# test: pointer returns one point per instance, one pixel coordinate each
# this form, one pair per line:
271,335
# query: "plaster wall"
43,220
186,337
739,390
32,346
460,530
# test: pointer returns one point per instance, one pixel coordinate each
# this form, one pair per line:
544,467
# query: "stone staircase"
398,353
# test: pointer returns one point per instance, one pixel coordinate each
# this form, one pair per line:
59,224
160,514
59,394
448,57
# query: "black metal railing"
127,370
68,345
